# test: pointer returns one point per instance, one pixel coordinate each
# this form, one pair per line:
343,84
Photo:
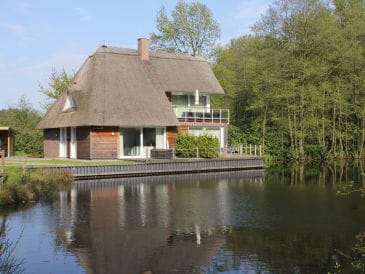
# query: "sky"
38,35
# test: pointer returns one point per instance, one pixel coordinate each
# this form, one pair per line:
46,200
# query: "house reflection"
135,225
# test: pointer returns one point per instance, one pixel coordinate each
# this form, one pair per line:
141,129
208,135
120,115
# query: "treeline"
297,85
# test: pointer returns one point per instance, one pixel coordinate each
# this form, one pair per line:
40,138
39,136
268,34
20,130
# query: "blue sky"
36,35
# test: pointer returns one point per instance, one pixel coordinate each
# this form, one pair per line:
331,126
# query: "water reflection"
147,224
286,221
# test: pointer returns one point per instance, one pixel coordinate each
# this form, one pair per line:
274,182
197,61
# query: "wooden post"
250,149
197,152
2,156
255,151
260,148
9,144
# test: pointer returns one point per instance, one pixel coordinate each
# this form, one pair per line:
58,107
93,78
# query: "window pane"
180,100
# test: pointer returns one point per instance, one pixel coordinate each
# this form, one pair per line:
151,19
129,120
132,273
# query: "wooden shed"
7,141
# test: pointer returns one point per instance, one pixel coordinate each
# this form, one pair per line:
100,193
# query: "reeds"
24,186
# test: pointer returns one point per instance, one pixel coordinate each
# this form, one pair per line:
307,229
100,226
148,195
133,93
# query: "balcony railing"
201,114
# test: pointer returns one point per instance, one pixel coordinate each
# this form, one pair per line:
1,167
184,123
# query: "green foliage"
208,146
192,29
23,118
57,83
358,250
297,85
186,146
236,136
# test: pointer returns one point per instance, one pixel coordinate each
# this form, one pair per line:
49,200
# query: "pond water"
277,221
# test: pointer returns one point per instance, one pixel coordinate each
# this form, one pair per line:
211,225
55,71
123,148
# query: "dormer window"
69,104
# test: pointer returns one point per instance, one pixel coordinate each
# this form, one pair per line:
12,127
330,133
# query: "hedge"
186,146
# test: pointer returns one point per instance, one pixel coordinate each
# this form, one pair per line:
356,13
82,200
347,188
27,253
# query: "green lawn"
63,162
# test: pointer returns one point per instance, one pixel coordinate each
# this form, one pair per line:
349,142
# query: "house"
124,102
7,141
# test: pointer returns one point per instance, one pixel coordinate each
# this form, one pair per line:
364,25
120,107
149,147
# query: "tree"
297,84
23,118
192,29
56,85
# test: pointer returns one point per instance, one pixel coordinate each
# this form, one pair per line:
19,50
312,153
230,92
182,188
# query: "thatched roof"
115,88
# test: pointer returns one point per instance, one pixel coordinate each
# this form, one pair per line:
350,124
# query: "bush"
208,146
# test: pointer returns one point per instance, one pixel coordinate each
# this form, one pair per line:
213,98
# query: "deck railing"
250,149
201,114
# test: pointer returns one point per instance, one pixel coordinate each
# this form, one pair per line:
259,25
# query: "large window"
180,100
130,141
184,105
138,142
188,100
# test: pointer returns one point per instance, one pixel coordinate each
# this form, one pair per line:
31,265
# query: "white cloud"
19,31
249,12
24,5
2,66
18,79
83,14
71,61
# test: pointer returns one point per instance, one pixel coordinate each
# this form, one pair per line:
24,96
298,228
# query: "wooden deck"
161,168
255,175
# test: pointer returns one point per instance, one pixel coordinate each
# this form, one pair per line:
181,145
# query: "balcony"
201,114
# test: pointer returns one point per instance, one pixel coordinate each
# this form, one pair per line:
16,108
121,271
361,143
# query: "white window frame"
142,152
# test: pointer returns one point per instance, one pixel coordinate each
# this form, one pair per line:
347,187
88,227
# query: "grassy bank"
61,162
22,187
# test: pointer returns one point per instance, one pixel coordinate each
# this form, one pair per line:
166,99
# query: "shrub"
208,146
185,146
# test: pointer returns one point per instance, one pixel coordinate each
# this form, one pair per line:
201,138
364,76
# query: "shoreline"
155,168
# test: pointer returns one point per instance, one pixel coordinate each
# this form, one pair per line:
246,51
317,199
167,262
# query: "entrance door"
63,142
73,145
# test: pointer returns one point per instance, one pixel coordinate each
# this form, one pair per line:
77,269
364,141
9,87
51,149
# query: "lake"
281,220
